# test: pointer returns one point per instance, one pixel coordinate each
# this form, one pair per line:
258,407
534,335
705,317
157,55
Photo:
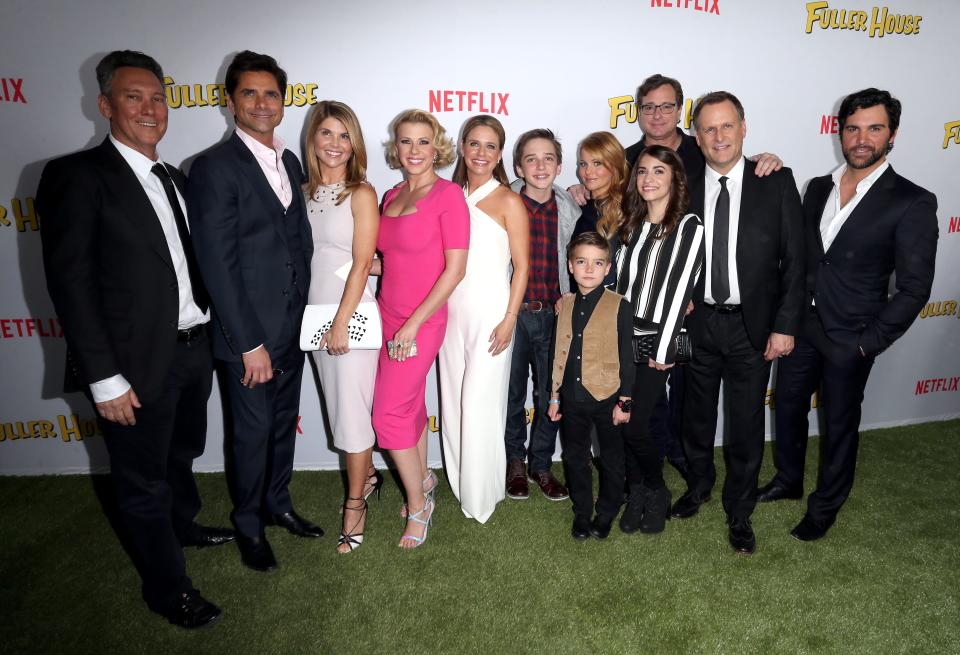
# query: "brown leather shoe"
549,485
517,480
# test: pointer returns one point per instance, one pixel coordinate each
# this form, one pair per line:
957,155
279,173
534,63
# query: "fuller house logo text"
939,308
215,95
879,22
951,133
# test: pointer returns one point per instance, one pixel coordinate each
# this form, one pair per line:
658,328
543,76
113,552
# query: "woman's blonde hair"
446,153
605,147
356,165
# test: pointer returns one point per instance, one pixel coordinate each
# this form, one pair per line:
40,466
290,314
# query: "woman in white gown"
475,357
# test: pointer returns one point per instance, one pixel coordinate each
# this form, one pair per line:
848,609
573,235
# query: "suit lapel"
696,207
749,195
872,203
138,209
819,194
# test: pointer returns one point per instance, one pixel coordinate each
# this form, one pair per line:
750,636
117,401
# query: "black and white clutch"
364,330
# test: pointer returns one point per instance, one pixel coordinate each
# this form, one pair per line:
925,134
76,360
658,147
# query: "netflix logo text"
935,385
483,102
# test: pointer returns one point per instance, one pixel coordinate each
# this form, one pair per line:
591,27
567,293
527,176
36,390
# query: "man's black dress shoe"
581,528
192,610
600,528
809,529
741,536
255,552
297,525
202,537
774,491
688,504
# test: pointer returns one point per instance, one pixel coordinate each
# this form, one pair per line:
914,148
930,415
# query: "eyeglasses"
666,108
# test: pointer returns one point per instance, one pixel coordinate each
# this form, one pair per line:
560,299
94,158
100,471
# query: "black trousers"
841,372
723,353
644,458
151,466
578,419
666,421
264,435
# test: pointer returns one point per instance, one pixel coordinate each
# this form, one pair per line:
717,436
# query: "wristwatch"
625,405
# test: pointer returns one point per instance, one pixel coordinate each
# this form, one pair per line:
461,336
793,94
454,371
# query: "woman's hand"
657,365
502,335
336,339
620,417
403,340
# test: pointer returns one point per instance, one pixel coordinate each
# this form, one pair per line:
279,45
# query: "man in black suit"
863,223
254,246
747,309
123,278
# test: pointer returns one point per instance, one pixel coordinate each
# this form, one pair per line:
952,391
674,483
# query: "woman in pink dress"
424,236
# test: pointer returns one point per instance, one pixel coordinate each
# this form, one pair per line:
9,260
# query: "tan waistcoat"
600,367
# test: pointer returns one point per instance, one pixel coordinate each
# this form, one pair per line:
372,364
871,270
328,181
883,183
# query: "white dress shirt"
834,216
189,315
271,163
711,191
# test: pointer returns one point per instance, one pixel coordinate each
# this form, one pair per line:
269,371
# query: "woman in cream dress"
342,209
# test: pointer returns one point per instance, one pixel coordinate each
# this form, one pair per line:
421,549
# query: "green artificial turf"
886,578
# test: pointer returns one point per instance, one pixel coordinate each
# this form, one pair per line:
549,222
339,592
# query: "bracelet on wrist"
553,401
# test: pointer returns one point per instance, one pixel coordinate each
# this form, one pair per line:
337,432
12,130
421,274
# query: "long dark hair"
636,206
481,120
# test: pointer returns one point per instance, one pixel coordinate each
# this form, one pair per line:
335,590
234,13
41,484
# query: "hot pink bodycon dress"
412,248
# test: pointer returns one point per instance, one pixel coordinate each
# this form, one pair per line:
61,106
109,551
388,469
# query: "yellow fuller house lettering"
878,23
22,219
71,428
939,308
951,131
626,107
215,95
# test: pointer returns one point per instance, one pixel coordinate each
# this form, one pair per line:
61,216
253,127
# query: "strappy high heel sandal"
374,483
425,518
352,539
429,485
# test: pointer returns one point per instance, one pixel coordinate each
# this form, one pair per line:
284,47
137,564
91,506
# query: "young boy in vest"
592,382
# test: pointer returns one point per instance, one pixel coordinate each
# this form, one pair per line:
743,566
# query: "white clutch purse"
364,330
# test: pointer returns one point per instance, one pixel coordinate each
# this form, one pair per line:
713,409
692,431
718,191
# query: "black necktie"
200,297
719,277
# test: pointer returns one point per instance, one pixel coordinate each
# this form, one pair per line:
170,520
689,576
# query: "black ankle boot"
631,519
656,511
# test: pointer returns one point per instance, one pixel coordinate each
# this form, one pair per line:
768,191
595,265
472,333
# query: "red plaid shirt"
544,281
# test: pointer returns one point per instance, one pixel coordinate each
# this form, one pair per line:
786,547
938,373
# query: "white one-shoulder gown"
473,383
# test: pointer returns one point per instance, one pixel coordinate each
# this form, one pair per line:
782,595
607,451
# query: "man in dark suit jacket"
254,246
123,279
862,223
747,309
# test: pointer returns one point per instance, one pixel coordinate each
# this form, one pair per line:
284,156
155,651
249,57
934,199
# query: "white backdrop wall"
570,66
